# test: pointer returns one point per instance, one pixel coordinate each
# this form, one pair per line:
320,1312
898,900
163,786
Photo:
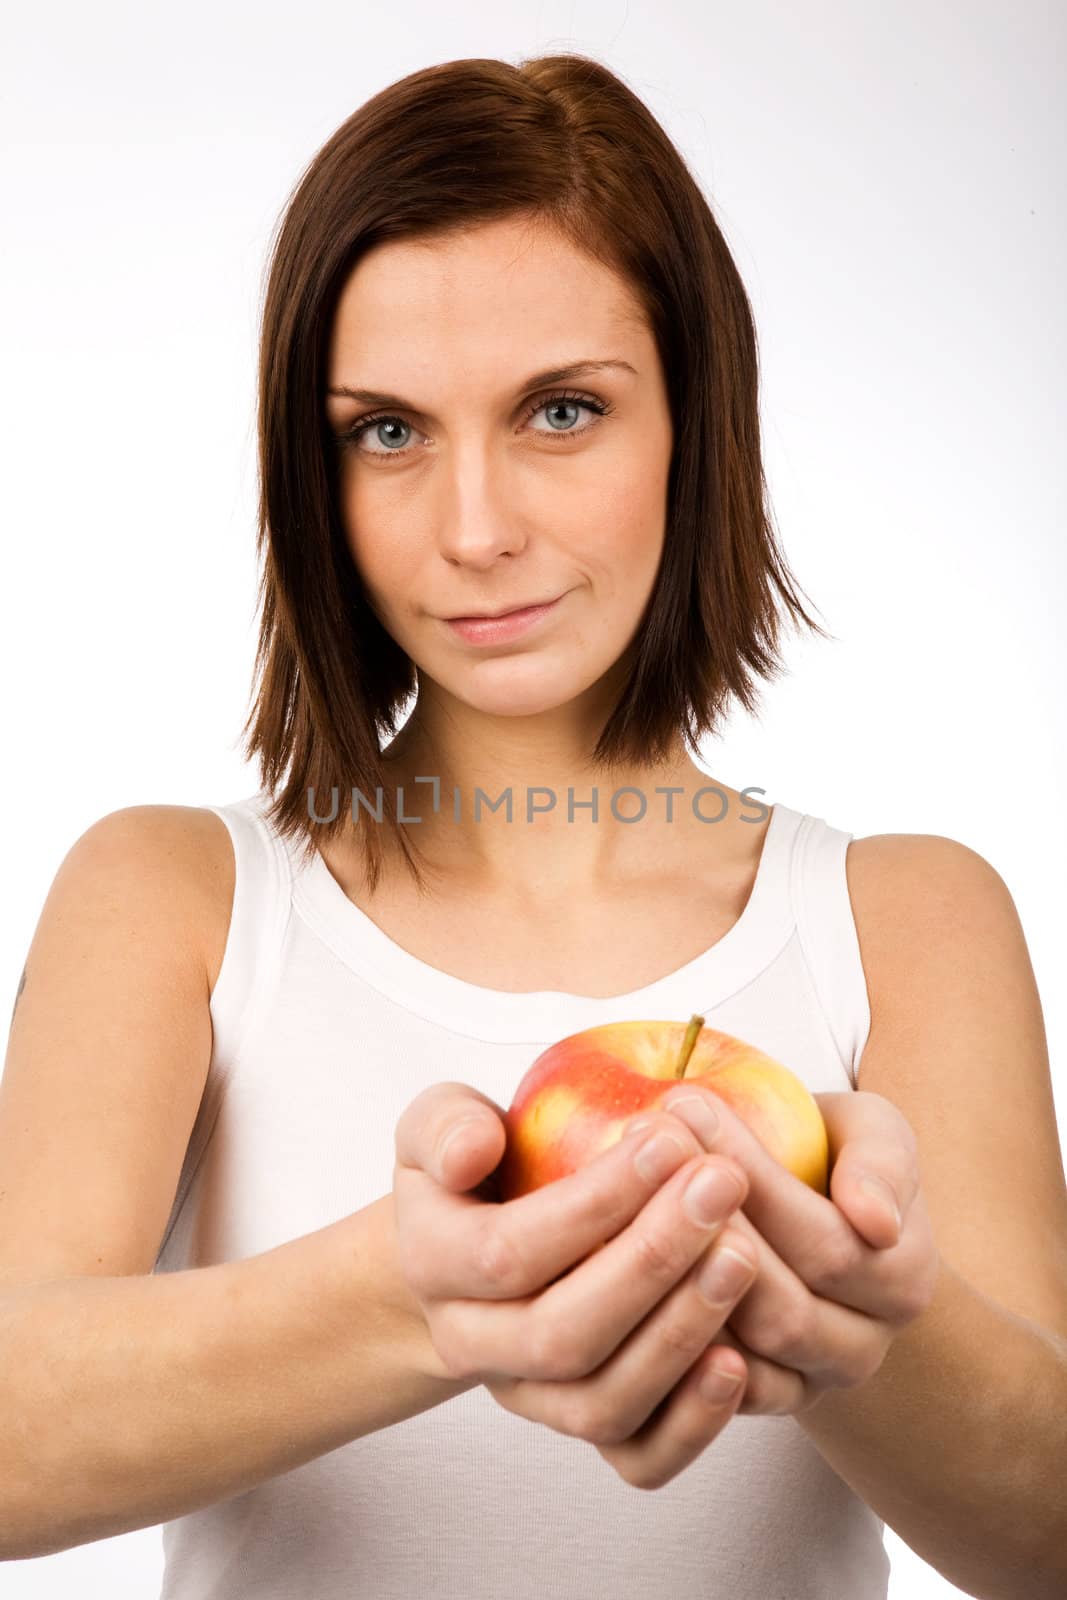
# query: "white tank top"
324,1030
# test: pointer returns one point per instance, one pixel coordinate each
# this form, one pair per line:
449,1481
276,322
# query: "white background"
890,182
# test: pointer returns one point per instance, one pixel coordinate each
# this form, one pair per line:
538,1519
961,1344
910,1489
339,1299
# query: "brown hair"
561,140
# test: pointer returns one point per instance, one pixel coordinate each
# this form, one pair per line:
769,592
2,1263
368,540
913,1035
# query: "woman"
508,365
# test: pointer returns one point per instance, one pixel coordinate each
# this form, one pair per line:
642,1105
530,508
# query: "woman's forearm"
127,1401
959,1443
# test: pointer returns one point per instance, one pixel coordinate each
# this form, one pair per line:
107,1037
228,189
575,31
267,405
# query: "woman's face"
468,489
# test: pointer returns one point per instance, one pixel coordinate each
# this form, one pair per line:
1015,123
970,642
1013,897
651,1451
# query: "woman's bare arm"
127,1397
127,1401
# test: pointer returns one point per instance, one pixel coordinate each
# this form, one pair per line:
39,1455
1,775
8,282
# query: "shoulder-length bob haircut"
560,140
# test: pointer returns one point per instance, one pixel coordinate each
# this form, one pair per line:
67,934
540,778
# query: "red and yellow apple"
578,1096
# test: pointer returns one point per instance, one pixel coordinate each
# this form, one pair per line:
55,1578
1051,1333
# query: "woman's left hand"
837,1278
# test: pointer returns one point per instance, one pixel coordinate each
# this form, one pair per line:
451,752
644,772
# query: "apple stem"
692,1033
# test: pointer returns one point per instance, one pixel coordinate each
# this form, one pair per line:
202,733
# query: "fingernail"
711,1195
697,1113
716,1386
464,1122
723,1274
658,1157
882,1192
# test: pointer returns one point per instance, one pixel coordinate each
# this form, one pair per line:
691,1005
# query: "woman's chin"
516,699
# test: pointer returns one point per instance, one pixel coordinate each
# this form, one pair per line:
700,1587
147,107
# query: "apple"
578,1096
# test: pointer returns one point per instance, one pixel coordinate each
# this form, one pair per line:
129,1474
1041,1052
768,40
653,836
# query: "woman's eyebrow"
539,380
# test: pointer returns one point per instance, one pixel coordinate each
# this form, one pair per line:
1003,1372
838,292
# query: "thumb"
453,1132
468,1147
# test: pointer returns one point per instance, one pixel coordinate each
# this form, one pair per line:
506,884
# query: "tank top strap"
828,938
262,901
259,916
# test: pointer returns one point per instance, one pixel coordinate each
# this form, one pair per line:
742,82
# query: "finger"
803,1227
452,1132
617,1399
770,1390
683,1425
828,1257
869,1203
620,1396
874,1179
574,1325
869,1136
828,1344
514,1249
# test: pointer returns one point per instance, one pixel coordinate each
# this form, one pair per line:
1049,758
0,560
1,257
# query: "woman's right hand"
579,1305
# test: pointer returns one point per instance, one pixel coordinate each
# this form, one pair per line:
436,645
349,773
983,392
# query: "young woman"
256,1283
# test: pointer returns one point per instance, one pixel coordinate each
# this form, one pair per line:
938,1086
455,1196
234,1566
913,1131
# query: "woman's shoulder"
879,861
186,858
920,895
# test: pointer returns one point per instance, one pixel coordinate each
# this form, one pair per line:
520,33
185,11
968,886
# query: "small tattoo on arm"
18,991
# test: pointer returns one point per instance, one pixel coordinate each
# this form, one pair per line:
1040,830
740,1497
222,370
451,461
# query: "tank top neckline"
747,947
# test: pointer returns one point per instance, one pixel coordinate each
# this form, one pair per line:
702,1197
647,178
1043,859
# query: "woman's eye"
383,430
561,412
388,433
385,435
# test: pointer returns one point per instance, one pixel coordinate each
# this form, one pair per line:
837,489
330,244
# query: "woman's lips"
495,630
